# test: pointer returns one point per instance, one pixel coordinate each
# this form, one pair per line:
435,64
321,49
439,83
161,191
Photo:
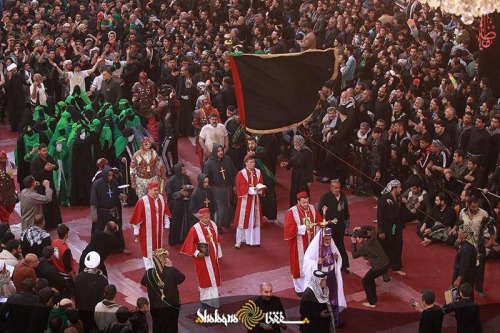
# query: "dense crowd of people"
100,93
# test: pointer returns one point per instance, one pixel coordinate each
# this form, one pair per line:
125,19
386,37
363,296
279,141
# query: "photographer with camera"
466,311
432,314
365,244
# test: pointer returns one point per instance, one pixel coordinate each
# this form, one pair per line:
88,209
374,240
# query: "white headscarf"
321,294
311,265
392,184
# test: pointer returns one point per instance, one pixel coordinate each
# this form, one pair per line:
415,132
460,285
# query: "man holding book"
202,244
248,217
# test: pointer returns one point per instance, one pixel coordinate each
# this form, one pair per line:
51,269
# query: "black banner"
489,46
276,92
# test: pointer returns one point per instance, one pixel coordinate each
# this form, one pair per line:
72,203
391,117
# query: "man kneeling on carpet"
365,244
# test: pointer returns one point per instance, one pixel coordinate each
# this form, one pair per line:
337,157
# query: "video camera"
361,233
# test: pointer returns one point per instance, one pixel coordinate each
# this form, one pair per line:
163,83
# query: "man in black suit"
466,311
432,314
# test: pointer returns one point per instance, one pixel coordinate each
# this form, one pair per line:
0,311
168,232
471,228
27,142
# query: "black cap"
319,274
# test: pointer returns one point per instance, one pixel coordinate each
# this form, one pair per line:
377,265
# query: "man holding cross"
300,222
322,254
222,174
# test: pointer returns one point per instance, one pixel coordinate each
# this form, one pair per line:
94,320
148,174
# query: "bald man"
102,242
25,269
38,96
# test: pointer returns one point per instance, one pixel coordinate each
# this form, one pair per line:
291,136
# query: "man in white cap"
89,289
202,94
14,96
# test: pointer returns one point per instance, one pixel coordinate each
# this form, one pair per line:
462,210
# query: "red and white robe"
299,237
148,219
207,269
248,215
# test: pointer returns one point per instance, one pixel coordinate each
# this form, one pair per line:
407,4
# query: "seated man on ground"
438,224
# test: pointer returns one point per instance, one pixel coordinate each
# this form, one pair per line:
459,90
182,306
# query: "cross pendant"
223,172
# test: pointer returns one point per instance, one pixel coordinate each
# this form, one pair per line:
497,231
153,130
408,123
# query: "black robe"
103,243
23,167
107,150
302,173
14,97
237,146
51,210
179,206
465,263
89,288
274,305
105,196
271,145
222,184
268,201
202,198
125,172
187,97
82,171
337,209
310,308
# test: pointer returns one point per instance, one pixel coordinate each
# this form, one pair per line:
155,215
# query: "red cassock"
207,269
246,202
149,214
297,244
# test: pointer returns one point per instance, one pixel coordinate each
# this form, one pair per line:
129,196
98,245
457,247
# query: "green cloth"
94,125
63,128
37,112
120,144
60,107
123,104
106,136
78,99
63,315
30,142
61,174
49,121
72,134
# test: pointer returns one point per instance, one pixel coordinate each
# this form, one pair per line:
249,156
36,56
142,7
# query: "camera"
455,295
360,233
413,303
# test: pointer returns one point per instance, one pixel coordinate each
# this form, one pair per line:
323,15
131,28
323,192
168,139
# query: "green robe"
61,175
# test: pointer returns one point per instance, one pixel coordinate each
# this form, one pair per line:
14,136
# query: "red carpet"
243,270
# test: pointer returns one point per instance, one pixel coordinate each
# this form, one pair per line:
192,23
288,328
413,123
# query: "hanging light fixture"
468,9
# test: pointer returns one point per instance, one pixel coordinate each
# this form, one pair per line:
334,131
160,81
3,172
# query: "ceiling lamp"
468,9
